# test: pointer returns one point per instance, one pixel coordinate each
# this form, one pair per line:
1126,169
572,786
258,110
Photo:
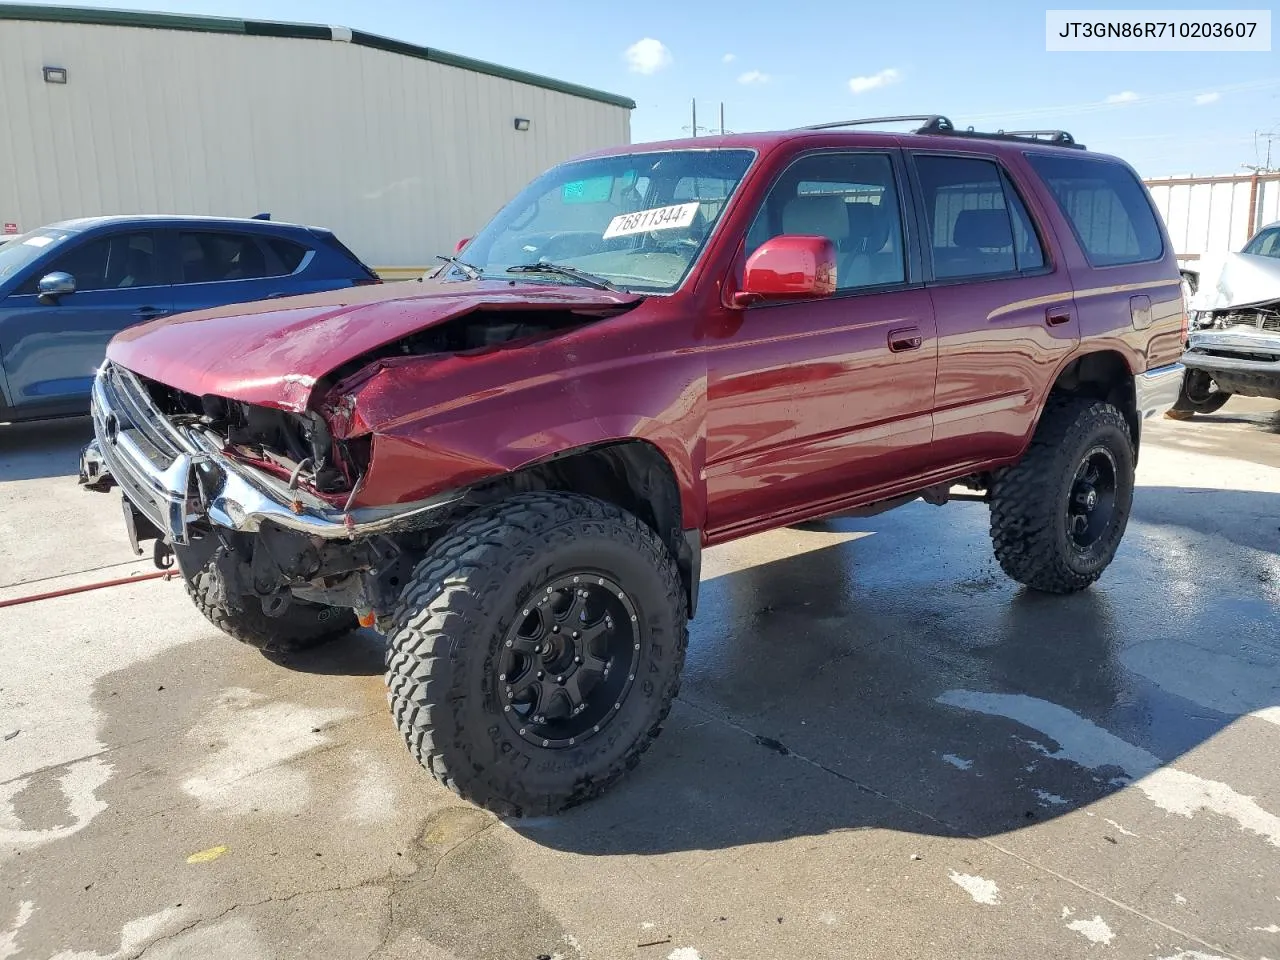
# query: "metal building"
400,149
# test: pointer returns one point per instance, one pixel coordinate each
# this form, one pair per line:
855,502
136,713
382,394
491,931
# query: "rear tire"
1058,515
1198,395
536,650
302,626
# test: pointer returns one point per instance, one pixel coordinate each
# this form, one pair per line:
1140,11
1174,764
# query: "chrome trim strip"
1156,390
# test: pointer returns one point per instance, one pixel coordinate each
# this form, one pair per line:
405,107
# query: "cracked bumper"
176,478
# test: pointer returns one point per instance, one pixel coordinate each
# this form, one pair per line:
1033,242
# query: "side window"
978,225
1107,206
213,257
849,198
108,263
289,254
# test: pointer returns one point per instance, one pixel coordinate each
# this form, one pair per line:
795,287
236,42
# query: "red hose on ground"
67,591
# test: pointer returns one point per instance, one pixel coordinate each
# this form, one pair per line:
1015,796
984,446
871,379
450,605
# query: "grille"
137,419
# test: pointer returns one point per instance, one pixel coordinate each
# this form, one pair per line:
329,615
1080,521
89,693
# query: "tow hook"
162,555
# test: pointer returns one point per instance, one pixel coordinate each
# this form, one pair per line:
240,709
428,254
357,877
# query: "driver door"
51,349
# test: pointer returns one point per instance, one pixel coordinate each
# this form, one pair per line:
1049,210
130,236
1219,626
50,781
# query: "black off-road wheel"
301,626
536,650
1199,394
1058,515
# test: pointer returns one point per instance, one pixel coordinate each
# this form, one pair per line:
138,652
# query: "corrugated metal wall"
399,156
1209,216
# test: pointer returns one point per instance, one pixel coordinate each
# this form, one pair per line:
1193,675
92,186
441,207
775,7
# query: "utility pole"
722,123
695,116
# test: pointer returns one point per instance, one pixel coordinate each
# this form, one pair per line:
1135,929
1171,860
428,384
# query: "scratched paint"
1084,742
960,763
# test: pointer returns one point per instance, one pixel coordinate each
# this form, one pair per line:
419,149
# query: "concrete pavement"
882,748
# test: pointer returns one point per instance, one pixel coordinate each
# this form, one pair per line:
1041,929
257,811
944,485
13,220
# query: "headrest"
982,230
869,225
816,216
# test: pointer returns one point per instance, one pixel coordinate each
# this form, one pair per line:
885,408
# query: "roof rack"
937,124
930,123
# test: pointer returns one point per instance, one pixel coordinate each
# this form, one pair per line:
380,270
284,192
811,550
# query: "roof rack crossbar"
1053,136
930,123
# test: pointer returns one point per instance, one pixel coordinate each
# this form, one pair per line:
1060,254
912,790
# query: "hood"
1237,280
273,352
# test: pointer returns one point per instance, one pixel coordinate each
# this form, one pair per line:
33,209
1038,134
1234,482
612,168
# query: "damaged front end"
1235,327
262,497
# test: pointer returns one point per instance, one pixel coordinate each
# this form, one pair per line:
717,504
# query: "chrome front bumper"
176,477
1224,343
1156,390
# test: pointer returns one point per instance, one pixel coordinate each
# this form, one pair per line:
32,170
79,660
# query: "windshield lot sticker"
38,241
659,218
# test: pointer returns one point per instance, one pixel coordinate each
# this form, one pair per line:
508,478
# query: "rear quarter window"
1107,207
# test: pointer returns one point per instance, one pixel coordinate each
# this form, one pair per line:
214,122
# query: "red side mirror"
789,268
457,248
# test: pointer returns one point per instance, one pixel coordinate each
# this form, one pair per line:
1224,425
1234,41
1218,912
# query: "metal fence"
1215,215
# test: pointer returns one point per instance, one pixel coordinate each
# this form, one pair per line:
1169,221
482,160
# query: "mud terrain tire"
1035,502
1197,395
455,685
301,627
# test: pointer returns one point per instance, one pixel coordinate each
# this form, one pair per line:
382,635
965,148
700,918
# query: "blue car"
68,288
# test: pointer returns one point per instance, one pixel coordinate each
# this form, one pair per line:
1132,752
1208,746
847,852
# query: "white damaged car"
1234,344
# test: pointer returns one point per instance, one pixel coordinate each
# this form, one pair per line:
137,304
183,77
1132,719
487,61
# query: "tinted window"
115,262
852,200
1265,244
978,225
289,254
1107,206
213,257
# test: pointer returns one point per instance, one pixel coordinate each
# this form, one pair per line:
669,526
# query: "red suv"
511,468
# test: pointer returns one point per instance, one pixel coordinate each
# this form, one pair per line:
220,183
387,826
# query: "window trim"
913,277
84,239
1075,233
1007,182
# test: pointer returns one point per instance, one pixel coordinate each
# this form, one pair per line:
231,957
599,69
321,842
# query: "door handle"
147,313
1056,316
904,339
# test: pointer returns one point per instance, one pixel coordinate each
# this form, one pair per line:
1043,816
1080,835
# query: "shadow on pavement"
360,654
46,448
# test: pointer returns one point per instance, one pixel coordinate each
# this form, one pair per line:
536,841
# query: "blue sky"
981,64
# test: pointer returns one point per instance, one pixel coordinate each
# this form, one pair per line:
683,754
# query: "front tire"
536,650
1058,515
1198,395
302,626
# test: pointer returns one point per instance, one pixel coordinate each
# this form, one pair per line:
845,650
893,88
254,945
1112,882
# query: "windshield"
1265,244
20,251
638,221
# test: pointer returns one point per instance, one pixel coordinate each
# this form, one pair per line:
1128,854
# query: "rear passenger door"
1005,312
217,267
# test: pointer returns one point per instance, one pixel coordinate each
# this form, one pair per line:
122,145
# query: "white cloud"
648,56
1125,96
729,58
753,77
875,80
1203,98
